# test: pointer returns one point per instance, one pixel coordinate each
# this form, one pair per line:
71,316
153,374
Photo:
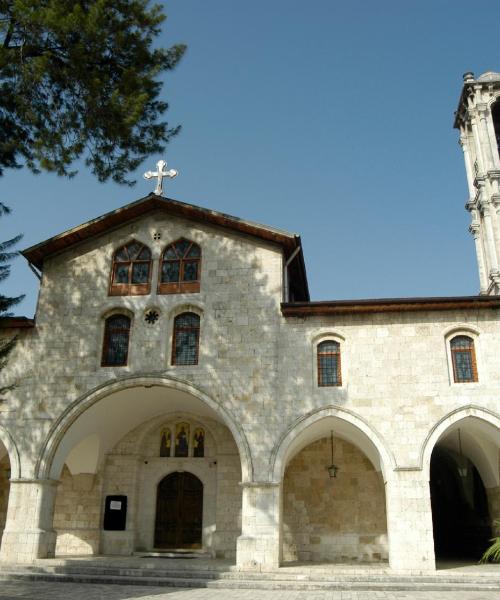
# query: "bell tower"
478,120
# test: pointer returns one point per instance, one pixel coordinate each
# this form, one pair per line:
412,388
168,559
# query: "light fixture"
332,469
462,461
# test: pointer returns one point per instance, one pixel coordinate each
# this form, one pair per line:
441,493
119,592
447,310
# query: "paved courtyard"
71,591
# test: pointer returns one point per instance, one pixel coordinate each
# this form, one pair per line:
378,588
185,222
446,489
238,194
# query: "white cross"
160,174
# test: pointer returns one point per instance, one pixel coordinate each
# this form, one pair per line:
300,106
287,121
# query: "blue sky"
329,119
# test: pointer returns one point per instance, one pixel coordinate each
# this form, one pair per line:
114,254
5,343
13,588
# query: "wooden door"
179,511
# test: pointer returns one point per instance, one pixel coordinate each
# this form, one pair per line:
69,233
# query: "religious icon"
181,439
199,442
165,443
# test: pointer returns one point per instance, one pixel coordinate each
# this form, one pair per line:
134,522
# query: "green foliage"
80,77
492,554
7,343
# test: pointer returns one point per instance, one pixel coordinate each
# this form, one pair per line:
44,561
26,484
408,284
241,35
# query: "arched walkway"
332,519
314,425
461,458
79,419
93,450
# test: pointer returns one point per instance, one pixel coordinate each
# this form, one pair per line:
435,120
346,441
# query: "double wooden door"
179,511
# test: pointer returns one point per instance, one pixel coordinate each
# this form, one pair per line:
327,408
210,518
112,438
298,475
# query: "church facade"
179,391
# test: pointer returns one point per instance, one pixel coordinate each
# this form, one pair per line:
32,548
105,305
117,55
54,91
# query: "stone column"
475,229
490,238
258,547
29,532
409,522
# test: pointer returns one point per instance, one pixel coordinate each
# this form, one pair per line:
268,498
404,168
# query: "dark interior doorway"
460,515
179,512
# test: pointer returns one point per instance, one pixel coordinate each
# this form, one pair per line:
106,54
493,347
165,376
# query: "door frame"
180,475
150,476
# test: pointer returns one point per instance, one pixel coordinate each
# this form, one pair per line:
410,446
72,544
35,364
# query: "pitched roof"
288,241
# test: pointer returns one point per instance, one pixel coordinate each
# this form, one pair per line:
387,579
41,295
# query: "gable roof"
288,241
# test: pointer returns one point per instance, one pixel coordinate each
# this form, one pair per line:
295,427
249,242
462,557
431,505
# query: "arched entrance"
5,474
179,512
462,458
124,438
332,519
460,513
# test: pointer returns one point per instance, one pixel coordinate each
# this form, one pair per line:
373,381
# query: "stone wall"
77,517
340,519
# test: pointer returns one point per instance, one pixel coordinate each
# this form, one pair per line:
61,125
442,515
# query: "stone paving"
70,591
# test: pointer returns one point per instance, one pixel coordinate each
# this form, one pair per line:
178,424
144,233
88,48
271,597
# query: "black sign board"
115,513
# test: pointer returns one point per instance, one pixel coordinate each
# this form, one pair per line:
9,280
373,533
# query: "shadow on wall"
60,361
341,519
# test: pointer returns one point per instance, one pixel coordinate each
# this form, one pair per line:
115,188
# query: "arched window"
131,271
495,113
329,363
180,268
463,358
186,339
116,336
199,443
165,442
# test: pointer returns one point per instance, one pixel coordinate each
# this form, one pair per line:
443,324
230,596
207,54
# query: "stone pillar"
475,229
409,522
258,546
29,532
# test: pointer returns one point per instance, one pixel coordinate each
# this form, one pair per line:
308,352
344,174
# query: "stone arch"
13,453
371,442
483,415
79,406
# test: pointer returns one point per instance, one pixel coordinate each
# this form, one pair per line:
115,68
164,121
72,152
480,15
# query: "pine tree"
7,342
80,78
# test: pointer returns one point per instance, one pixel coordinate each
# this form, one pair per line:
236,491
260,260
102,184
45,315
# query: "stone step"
264,582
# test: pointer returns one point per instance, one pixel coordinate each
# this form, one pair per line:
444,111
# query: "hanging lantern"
332,469
463,468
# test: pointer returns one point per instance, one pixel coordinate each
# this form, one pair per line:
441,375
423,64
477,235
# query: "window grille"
186,339
131,270
180,268
463,358
329,364
116,339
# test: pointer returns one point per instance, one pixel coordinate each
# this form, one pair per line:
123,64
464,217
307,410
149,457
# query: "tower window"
131,270
329,364
180,268
495,113
116,338
463,358
186,339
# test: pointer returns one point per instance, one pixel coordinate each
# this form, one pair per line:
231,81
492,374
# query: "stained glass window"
329,363
180,266
186,339
165,442
116,337
199,443
131,269
463,358
182,439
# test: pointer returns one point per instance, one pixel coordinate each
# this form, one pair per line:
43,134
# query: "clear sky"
329,119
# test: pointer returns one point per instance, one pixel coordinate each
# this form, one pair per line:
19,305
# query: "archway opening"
465,490
495,113
179,512
339,519
114,454
5,470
